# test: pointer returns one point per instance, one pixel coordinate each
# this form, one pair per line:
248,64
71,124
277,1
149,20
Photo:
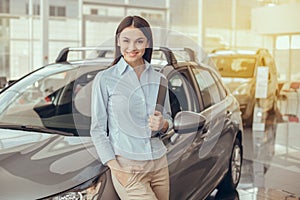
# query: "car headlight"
90,190
242,90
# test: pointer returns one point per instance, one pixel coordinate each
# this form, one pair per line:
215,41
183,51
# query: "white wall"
280,19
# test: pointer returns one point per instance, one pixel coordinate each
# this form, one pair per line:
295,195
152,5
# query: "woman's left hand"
156,121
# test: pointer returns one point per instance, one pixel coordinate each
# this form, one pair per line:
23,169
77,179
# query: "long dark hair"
143,25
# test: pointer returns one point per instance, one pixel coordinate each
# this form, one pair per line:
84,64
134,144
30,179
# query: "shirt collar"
123,66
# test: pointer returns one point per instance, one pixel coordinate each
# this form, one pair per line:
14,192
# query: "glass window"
52,11
296,42
282,42
181,93
220,86
57,101
208,87
35,9
238,67
61,11
177,94
94,11
4,6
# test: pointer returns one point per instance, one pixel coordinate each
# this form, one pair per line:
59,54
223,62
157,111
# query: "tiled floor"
271,165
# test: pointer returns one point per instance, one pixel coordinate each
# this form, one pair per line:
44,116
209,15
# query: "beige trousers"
145,180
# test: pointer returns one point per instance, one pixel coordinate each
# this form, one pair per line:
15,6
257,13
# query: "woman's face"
132,43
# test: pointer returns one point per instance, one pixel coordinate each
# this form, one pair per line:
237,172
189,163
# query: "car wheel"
232,178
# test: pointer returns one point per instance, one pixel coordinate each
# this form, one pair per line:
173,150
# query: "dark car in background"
45,147
238,69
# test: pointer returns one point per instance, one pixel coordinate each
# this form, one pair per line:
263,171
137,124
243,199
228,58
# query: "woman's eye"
140,41
125,40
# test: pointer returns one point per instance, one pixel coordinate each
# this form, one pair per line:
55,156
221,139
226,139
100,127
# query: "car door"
181,155
217,136
195,158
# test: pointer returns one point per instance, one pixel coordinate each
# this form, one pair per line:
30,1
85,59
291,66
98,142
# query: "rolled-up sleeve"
99,118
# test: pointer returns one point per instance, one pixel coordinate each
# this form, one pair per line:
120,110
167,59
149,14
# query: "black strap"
161,95
160,101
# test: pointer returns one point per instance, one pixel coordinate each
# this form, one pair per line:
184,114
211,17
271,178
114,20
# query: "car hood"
35,165
234,83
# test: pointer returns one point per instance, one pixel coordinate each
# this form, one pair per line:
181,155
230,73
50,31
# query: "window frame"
190,91
220,85
202,103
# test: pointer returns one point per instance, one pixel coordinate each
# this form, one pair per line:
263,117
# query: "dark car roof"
161,56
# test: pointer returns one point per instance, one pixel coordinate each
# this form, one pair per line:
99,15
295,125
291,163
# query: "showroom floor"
271,165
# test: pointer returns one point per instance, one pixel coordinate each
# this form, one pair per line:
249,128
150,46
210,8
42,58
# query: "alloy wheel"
236,164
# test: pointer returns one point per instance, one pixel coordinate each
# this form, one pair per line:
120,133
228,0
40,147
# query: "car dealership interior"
254,45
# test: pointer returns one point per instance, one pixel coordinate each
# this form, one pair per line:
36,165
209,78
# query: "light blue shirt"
124,103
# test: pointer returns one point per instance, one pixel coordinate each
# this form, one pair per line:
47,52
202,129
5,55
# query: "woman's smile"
132,53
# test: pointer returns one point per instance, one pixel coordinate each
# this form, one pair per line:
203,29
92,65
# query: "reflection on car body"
204,148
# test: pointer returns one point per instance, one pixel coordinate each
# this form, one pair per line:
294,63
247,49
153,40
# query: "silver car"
238,69
46,150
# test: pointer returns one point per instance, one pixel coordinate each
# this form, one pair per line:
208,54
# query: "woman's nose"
131,46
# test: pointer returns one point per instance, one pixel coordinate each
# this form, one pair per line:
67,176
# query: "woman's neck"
139,70
136,63
138,67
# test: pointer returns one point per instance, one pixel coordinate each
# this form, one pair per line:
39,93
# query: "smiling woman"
128,92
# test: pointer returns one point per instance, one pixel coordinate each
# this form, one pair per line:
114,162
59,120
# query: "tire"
232,178
228,196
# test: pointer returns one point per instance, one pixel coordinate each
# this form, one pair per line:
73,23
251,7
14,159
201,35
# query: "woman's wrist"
165,126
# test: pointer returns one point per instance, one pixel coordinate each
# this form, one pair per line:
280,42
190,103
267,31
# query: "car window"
239,67
58,101
220,86
208,87
181,93
28,105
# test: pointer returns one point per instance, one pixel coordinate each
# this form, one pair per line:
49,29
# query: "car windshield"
235,67
55,97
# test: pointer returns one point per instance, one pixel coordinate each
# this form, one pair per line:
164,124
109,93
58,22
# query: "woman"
123,102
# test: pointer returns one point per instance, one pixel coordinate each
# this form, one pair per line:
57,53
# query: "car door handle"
228,114
204,135
205,131
206,128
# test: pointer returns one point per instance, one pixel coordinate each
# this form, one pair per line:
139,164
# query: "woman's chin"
134,60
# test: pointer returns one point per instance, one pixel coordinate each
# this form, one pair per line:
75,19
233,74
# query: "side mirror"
187,122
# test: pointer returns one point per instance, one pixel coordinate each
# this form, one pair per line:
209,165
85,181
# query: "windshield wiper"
34,128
